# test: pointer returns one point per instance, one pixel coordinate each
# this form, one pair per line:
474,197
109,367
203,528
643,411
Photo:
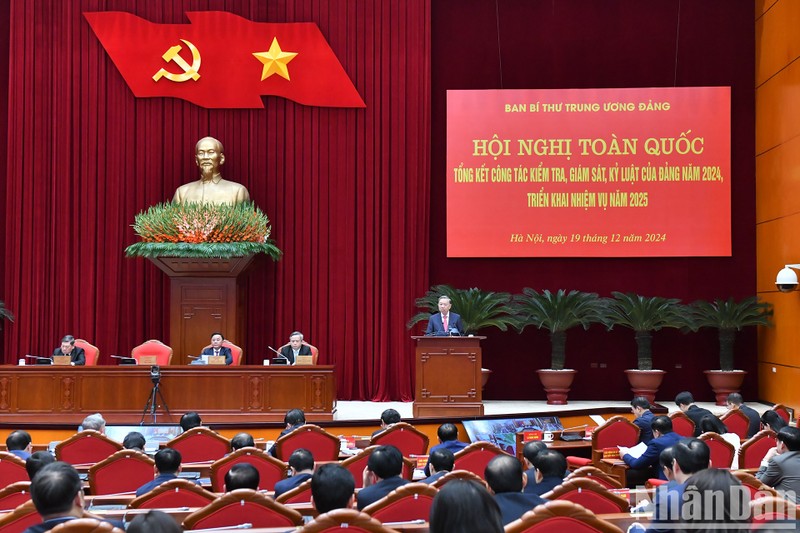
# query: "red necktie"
444,322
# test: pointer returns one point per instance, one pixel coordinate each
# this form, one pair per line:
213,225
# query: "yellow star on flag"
275,60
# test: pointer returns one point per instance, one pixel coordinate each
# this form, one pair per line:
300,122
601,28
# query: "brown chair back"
123,471
243,506
344,521
20,519
161,351
14,495
86,447
597,475
406,503
558,517
682,424
174,493
91,351
722,451
356,464
458,474
405,437
322,445
589,494
86,525
200,444
300,494
756,488
617,431
12,469
752,451
476,456
736,422
270,470
783,411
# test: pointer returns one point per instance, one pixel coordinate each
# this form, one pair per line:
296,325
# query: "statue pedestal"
205,297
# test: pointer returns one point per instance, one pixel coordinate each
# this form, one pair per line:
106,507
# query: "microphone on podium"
40,360
125,360
279,354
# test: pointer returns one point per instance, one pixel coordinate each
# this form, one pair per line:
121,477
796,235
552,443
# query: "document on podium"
634,452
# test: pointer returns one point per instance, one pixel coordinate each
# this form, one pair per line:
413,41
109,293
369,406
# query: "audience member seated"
37,461
154,521
134,441
332,487
168,465
640,407
529,453
773,421
242,476
780,468
440,462
506,480
715,425
57,493
19,443
382,475
242,440
714,500
663,437
190,420
685,402
448,439
293,420
690,457
463,506
301,467
389,417
95,422
549,467
736,402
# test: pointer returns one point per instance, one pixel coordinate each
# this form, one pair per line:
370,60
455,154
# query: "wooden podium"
448,377
204,297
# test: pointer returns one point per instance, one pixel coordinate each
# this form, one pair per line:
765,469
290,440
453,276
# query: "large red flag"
221,60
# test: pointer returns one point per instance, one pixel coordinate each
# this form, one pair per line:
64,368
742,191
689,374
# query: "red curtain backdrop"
346,189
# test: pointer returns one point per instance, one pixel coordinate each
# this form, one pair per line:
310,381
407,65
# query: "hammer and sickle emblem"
189,71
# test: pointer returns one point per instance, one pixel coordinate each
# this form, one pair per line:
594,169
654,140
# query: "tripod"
151,403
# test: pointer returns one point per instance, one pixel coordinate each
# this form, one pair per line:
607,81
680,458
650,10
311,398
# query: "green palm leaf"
478,309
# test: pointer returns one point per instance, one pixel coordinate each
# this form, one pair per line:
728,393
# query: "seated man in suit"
19,443
506,480
640,407
190,420
663,437
780,468
549,467
448,439
95,422
685,402
295,348
77,356
37,461
293,420
332,487
301,466
389,417
382,475
444,322
734,402
242,440
217,349
242,476
167,467
685,458
529,453
440,462
57,494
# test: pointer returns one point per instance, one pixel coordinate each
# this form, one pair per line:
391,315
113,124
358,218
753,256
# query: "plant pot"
724,382
645,382
556,384
485,375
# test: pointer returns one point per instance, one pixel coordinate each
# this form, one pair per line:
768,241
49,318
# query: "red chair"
300,494
357,463
617,431
161,352
91,351
86,525
458,474
236,352
20,519
314,351
590,495
559,517
783,411
771,508
408,502
200,444
270,470
322,445
405,437
174,493
682,424
722,451
14,495
243,506
595,474
345,521
123,471
736,422
753,450
476,456
756,488
86,447
12,469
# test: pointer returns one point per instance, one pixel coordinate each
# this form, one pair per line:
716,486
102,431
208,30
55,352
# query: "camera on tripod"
155,374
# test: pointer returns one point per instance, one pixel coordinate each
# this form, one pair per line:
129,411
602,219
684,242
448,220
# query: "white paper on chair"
637,450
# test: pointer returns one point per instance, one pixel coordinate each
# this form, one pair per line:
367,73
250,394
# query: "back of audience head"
640,401
385,462
242,440
295,417
190,420
447,432
37,461
134,441
714,498
504,474
463,506
734,399
684,398
532,449
389,417
442,460
549,463
713,424
790,437
242,476
54,490
332,487
772,420
18,440
662,424
691,456
154,521
168,461
95,422
301,459
665,460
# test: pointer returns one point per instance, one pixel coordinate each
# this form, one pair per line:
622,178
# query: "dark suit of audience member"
222,350
643,422
663,437
288,353
158,480
685,402
548,472
780,468
301,466
506,481
735,401
285,485
168,464
440,462
381,476
448,440
433,477
293,420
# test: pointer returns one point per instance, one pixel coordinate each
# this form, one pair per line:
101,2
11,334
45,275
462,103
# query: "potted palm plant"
728,317
645,315
5,314
557,312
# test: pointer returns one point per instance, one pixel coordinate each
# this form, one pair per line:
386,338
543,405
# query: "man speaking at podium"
444,322
75,353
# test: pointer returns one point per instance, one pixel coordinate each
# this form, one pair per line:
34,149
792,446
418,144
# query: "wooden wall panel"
776,245
763,5
779,344
778,109
775,45
779,386
778,171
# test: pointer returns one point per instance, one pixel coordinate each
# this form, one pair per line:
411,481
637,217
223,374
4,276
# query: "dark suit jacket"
161,478
286,431
375,492
515,504
435,326
53,522
650,456
454,446
285,485
223,350
755,420
782,472
77,355
697,414
545,485
643,422
667,506
287,352
430,479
